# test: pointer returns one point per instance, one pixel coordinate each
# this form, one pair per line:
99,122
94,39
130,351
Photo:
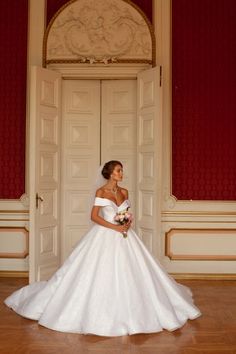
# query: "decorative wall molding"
203,276
17,240
98,71
14,235
13,274
171,205
12,206
24,199
99,31
201,244
170,201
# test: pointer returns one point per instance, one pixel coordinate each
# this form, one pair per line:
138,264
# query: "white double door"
98,125
76,125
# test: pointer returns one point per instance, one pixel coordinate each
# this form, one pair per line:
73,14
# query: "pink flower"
123,217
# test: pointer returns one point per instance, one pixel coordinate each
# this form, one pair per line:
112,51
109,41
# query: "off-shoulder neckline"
113,201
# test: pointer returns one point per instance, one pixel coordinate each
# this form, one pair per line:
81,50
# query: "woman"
110,285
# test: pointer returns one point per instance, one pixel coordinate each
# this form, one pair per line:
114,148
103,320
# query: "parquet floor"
214,332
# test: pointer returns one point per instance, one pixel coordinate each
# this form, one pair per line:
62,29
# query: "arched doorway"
78,131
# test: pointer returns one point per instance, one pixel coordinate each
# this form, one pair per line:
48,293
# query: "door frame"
125,72
127,75
99,71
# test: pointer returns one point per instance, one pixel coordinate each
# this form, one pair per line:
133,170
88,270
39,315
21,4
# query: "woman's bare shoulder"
100,192
125,192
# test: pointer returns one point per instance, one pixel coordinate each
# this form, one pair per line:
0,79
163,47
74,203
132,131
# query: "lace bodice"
110,208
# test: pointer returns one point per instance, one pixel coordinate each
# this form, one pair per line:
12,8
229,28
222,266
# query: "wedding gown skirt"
109,286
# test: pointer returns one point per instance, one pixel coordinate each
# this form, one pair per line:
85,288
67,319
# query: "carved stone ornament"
24,199
170,200
99,31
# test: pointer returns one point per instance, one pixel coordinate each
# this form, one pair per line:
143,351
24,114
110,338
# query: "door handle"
38,198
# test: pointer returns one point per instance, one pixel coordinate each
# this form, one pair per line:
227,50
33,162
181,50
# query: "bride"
110,285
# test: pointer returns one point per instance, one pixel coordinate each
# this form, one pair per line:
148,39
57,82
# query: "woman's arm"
95,217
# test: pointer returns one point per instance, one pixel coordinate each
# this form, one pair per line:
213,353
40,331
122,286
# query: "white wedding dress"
108,286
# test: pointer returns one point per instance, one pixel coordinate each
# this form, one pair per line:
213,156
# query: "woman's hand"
123,228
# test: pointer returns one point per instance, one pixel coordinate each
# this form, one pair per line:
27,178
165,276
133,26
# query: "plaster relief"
99,31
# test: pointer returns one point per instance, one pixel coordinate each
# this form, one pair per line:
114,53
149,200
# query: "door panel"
99,124
45,117
80,156
149,134
118,134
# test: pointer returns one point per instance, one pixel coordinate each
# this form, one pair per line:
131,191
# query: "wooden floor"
214,332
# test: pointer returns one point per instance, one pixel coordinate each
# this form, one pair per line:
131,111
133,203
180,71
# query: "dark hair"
109,167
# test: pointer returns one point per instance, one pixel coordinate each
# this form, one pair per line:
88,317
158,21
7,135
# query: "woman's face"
117,173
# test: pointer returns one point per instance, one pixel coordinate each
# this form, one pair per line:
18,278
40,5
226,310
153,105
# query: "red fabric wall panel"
204,99
13,67
54,5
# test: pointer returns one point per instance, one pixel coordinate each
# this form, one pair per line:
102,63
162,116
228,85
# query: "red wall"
13,66
13,71
54,5
204,104
204,99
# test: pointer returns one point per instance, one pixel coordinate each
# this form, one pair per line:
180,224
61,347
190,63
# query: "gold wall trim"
10,219
18,255
13,274
177,276
200,213
14,211
204,276
204,222
199,257
79,61
217,201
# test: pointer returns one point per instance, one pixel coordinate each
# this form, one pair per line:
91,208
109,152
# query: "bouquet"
123,217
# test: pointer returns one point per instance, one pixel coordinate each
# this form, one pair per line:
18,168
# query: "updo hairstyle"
109,167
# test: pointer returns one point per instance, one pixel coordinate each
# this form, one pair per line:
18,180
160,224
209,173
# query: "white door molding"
99,71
